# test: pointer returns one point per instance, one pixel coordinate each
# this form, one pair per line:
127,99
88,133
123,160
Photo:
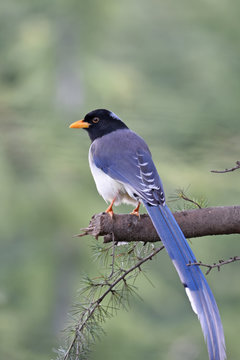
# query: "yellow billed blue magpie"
124,172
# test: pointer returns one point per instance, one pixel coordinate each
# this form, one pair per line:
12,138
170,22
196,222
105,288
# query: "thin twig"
227,170
113,255
184,197
97,302
215,265
181,194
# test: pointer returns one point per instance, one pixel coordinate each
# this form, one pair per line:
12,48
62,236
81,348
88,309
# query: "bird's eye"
95,120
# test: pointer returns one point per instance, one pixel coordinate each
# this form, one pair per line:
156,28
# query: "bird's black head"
99,122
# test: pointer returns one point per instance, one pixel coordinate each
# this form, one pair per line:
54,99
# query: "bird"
124,172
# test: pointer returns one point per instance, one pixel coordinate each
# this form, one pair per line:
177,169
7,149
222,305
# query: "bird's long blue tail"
196,286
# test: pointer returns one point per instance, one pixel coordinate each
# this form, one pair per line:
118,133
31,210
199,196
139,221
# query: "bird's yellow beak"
80,124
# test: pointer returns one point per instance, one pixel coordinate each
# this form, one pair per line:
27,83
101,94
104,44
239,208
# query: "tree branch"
194,223
95,304
215,265
227,170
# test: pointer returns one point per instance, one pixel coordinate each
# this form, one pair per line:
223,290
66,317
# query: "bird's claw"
136,211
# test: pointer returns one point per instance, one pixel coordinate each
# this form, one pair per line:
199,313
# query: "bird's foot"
110,209
136,211
110,212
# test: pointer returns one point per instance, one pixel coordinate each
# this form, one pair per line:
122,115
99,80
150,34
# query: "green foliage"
101,297
182,200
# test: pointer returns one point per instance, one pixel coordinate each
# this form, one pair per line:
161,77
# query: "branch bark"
194,223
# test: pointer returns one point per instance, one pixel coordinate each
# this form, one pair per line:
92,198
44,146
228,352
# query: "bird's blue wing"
133,166
136,170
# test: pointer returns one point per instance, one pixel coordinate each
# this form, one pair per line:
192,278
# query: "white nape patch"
114,116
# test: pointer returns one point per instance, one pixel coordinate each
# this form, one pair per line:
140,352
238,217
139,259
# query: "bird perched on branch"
124,172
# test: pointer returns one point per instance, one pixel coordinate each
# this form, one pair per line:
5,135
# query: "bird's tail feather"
196,286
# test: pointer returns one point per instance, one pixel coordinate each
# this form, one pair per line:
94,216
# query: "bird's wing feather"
196,286
130,163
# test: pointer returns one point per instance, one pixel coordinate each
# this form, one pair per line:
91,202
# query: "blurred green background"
169,69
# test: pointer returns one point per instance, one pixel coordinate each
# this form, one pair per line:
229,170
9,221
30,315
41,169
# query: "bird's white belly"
109,188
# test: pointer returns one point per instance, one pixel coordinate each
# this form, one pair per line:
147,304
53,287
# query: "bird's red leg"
109,209
136,210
